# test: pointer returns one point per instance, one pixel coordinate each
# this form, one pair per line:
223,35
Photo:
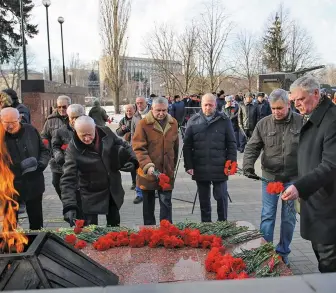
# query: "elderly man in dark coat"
93,160
316,186
209,142
29,158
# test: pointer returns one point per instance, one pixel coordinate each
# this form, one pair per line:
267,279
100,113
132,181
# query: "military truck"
270,81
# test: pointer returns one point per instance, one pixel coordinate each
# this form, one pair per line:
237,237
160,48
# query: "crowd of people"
295,133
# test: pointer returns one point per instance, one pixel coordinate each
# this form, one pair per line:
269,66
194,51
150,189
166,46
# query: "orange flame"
11,239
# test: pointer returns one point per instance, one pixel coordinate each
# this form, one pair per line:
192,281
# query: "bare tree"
300,48
215,28
12,72
246,53
327,75
114,15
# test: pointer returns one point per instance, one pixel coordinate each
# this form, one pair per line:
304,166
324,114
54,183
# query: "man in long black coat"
209,142
92,161
29,158
316,186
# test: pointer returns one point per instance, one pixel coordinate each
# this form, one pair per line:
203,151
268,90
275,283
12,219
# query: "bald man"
124,130
93,160
29,159
209,142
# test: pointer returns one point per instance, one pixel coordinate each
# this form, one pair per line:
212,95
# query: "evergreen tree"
10,19
274,46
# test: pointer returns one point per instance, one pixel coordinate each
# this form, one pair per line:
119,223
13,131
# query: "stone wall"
40,97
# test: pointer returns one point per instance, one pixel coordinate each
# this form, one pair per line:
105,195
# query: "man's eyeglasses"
62,107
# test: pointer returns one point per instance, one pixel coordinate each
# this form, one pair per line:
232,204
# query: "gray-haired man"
55,121
277,135
316,185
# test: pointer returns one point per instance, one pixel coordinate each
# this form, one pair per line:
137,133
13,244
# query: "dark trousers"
326,256
243,139
237,136
133,174
148,206
35,213
112,218
220,195
56,178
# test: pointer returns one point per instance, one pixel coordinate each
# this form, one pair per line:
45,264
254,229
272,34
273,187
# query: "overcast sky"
81,26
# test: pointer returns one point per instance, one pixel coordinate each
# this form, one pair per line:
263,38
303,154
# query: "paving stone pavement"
245,206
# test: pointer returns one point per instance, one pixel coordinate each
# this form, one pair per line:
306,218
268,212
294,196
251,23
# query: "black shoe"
133,186
137,200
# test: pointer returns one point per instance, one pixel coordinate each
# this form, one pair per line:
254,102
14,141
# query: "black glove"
128,167
282,178
250,173
70,217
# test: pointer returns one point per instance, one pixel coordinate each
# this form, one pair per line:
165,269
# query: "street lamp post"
47,3
23,39
61,20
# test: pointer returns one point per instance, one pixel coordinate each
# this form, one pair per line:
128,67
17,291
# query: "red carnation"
79,223
164,181
64,147
78,230
80,244
45,142
275,187
70,239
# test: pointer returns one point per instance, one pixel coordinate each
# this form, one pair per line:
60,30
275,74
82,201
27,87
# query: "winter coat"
178,111
127,132
24,112
317,172
155,147
232,113
22,145
61,138
247,116
278,140
95,173
98,114
220,101
208,145
54,122
263,110
136,118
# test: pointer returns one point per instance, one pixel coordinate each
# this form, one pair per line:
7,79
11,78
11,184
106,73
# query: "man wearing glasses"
54,122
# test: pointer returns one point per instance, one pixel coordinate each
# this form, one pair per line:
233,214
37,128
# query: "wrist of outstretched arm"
147,166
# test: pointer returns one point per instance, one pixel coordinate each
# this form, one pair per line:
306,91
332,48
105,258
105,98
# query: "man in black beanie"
23,110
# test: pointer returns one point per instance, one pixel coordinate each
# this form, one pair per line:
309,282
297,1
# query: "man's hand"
123,127
190,172
150,171
250,173
70,217
291,193
128,167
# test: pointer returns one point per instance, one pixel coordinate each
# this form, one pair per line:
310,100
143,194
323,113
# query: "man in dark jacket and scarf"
231,110
29,158
55,121
98,114
124,130
177,110
316,186
93,161
247,119
209,142
23,110
263,107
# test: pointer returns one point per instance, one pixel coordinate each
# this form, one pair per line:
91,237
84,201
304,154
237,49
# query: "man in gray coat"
316,186
142,110
277,136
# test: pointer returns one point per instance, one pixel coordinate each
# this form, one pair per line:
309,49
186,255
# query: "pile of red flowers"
225,265
275,187
230,167
166,235
72,238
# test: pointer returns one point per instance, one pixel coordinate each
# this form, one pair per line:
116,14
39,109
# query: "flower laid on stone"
230,167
